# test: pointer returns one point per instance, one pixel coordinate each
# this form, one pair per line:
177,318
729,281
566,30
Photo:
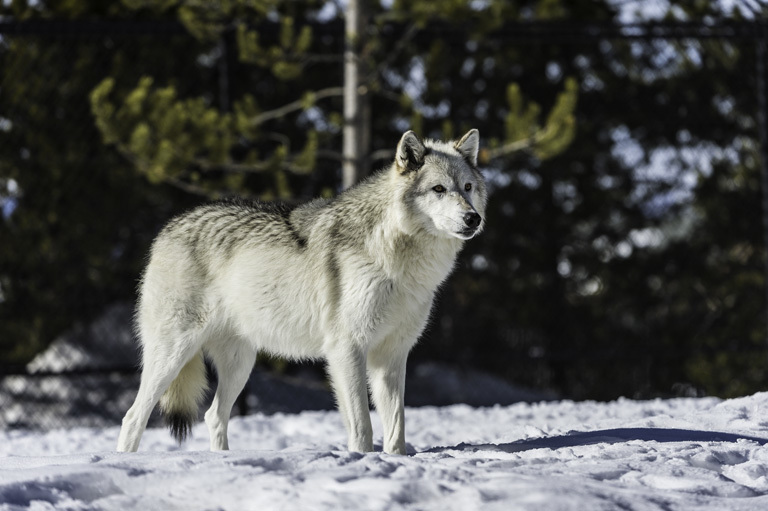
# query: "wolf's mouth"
467,233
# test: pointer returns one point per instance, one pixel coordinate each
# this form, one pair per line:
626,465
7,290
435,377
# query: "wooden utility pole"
355,131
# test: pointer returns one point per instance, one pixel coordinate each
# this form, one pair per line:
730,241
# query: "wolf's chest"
383,307
375,307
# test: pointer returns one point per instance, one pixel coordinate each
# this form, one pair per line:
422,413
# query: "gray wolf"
350,280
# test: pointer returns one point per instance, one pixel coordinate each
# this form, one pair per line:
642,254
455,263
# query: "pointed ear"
410,153
469,145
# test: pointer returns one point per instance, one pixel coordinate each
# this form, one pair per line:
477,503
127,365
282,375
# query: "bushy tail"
181,402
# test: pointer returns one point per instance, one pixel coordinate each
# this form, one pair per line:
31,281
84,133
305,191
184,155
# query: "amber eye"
468,186
439,188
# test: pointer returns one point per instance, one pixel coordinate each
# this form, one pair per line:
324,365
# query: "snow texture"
703,454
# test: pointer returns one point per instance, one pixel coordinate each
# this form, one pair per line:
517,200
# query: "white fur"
357,294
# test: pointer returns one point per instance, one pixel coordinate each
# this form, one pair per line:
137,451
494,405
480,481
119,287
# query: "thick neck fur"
404,244
373,218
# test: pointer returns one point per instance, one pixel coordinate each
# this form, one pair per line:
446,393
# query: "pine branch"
395,53
189,187
522,144
246,168
299,104
509,148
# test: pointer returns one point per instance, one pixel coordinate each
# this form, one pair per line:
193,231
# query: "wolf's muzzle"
472,220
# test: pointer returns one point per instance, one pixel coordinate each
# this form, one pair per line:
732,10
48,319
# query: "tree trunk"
355,137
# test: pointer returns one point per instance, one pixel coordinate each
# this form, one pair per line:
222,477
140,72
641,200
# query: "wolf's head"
444,189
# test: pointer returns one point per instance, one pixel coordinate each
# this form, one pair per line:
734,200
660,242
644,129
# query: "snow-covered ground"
703,454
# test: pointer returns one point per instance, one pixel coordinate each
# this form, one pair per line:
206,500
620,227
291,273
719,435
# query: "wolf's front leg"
386,369
346,366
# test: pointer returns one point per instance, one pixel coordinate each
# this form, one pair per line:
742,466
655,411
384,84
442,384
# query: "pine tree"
595,276
206,149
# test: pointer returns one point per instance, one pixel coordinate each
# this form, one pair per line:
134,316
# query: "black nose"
472,220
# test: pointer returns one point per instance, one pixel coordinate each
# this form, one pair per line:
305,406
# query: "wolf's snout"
472,220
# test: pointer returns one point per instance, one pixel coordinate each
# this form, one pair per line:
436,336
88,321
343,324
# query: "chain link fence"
89,375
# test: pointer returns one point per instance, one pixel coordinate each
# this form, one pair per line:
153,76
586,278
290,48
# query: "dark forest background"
624,254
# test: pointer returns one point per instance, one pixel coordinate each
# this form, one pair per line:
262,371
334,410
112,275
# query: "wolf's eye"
439,188
468,186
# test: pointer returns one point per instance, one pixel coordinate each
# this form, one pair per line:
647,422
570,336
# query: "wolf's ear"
469,145
410,153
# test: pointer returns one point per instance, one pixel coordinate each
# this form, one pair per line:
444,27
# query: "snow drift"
705,454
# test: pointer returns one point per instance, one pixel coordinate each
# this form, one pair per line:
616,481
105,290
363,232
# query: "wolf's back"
219,227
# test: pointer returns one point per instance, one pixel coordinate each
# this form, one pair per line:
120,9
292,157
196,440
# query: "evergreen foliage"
624,251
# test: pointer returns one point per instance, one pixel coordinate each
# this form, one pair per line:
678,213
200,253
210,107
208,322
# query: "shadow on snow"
605,436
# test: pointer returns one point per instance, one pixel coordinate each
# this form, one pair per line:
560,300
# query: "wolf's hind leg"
160,368
233,360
